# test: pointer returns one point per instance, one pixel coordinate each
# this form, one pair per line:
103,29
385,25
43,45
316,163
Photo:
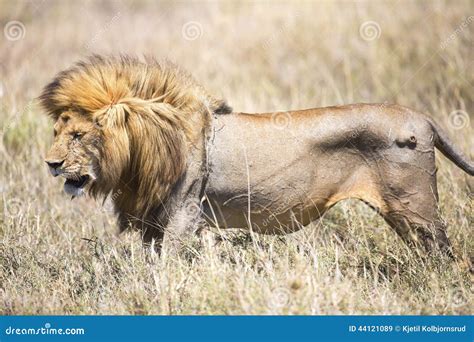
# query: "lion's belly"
265,222
263,179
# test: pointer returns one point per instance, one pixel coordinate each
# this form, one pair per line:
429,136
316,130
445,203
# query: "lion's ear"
115,115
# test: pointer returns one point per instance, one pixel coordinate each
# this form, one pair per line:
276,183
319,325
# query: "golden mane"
147,114
100,81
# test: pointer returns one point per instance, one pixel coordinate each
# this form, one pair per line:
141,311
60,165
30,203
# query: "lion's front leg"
184,223
183,210
152,237
149,226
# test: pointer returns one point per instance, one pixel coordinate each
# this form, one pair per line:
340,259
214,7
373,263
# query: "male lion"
170,154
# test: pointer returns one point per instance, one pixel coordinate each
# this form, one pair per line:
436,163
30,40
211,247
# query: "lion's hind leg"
424,237
411,209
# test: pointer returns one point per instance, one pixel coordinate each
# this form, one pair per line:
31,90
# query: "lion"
172,157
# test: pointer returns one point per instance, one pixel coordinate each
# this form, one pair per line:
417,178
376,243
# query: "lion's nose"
54,164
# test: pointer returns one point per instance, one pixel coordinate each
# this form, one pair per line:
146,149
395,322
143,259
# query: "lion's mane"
148,112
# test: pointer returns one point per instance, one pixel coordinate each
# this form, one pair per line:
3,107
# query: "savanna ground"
59,256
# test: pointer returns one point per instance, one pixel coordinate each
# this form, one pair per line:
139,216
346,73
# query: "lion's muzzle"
54,167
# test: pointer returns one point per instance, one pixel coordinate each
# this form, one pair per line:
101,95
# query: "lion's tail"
447,147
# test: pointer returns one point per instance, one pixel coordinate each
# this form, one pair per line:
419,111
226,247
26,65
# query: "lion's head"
123,125
76,153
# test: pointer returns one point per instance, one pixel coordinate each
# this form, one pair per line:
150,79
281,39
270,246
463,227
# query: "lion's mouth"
75,186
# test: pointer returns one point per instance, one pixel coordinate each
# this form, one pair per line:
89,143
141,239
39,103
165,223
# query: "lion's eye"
77,135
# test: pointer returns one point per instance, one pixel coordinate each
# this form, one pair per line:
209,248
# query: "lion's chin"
75,187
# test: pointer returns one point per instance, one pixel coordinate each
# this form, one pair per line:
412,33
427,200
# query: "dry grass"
58,256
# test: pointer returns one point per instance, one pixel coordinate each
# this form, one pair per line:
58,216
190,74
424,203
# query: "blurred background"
58,256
